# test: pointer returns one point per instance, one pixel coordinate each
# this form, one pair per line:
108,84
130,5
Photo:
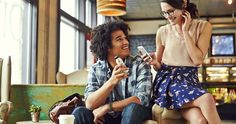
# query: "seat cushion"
173,121
61,78
171,114
150,122
78,77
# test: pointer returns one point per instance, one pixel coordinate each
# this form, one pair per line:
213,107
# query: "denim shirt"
139,82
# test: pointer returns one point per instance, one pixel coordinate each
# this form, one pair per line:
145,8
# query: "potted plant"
35,112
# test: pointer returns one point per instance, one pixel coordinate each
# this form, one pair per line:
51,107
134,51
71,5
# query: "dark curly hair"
179,4
101,37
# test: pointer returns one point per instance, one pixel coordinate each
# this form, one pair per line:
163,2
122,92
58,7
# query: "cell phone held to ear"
143,52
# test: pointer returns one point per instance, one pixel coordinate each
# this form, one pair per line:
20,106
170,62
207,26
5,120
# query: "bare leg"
207,106
193,115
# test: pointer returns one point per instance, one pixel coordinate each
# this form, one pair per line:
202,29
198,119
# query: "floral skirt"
176,85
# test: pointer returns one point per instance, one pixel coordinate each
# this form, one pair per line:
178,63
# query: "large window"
77,18
17,38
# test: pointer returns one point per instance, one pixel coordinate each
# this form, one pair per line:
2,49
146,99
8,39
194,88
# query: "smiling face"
119,45
173,15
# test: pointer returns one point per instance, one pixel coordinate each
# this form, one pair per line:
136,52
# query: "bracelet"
110,106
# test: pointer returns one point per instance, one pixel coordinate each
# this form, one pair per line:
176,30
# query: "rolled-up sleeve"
93,84
144,83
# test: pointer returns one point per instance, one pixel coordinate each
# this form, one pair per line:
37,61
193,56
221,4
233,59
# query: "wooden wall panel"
47,41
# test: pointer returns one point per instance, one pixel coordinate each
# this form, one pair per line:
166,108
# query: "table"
40,122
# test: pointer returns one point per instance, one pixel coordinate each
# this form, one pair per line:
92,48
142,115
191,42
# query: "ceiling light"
230,2
111,7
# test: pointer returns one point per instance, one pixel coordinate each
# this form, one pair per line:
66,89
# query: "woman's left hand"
187,20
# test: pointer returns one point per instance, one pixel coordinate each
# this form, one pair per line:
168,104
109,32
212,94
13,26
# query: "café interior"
45,55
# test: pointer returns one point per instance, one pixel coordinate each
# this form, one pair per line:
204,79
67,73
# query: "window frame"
79,23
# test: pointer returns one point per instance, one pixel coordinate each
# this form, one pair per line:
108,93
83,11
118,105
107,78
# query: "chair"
165,116
76,77
5,80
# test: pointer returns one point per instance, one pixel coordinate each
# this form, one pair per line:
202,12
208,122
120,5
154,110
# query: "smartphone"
120,61
142,51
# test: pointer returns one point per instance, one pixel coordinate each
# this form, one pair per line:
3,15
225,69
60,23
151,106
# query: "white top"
175,52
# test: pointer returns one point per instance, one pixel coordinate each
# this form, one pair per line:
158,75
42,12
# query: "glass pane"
200,74
67,48
217,74
69,6
14,35
100,19
88,13
90,57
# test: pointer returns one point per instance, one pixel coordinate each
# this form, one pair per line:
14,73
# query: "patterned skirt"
176,85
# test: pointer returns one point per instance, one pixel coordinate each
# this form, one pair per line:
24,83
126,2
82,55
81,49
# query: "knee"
133,114
83,115
208,99
131,107
134,109
80,111
202,120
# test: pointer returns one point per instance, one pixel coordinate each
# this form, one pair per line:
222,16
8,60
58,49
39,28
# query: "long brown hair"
184,4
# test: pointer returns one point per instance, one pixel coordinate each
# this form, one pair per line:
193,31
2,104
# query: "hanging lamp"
111,7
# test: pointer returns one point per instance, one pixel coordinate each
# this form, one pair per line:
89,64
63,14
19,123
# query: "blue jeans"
131,114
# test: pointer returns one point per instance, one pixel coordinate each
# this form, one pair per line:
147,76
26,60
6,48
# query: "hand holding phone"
186,20
120,61
142,52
